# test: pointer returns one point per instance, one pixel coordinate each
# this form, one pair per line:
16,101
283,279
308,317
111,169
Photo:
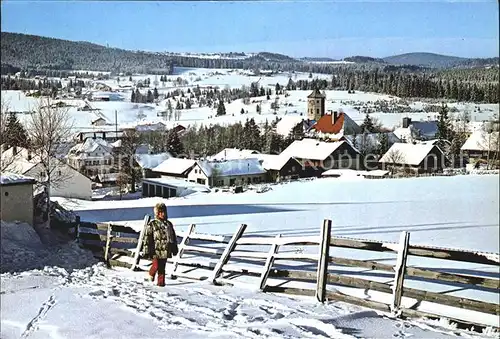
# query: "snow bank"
23,250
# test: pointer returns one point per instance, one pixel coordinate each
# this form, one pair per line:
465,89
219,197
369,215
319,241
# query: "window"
317,111
6,194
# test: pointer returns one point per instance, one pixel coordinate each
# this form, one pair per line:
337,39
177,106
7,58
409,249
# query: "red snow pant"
158,266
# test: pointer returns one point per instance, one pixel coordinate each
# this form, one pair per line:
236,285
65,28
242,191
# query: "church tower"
316,105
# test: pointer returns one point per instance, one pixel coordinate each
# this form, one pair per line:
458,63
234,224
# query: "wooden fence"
120,246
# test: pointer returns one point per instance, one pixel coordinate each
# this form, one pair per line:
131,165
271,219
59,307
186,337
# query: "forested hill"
36,52
433,60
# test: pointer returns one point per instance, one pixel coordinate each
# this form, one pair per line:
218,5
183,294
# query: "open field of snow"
439,211
292,106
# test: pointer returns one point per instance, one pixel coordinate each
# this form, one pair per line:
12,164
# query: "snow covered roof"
407,154
311,149
234,167
481,141
273,161
90,145
175,166
233,153
149,161
370,141
8,178
409,134
17,162
286,124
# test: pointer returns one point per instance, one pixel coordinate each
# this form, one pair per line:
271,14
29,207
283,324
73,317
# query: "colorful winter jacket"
160,240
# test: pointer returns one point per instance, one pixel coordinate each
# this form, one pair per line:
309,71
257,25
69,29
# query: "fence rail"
121,246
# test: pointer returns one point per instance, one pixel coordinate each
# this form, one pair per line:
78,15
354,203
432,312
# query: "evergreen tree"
258,109
221,109
15,134
188,103
150,97
242,111
383,144
174,144
444,126
155,93
368,126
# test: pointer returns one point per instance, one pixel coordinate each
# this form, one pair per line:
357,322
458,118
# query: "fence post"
324,255
77,227
269,262
399,274
183,244
227,251
137,254
108,245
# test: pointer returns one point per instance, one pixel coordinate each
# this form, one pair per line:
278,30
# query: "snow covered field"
439,211
290,107
66,301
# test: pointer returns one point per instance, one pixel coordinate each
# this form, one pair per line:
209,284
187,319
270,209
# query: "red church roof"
325,124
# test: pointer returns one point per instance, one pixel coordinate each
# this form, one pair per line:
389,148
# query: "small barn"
174,168
416,158
280,167
16,198
169,187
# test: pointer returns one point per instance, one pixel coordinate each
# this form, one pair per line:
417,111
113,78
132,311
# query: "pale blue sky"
297,28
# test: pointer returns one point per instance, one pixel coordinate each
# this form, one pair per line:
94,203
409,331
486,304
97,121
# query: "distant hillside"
439,60
363,59
36,52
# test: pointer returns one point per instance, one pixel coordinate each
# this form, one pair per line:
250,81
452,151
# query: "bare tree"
490,142
395,158
48,127
5,161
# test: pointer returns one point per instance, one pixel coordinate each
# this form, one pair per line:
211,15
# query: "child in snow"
160,243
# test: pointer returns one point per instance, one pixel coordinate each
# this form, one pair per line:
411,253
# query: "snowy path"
96,302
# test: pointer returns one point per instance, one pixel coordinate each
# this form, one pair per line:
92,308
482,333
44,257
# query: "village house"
174,168
316,156
147,162
280,167
234,172
482,146
415,158
411,131
99,122
92,157
66,181
16,198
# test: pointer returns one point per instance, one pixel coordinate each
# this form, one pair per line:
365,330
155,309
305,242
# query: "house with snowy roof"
234,172
417,158
174,168
66,181
147,162
280,167
481,145
17,191
316,156
411,131
92,157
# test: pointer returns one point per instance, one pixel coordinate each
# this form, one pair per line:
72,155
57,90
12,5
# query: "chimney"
14,150
406,122
335,116
29,155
